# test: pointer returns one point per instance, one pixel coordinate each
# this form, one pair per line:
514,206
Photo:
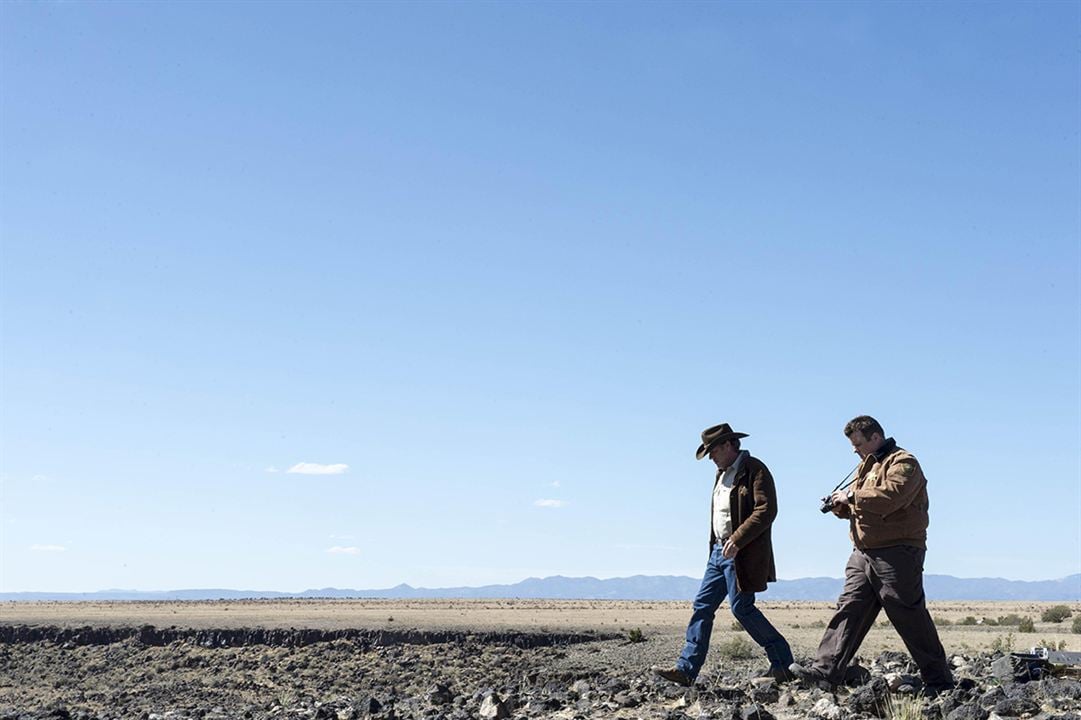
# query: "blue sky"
480,273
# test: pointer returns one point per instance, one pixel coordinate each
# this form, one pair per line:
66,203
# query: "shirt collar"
734,467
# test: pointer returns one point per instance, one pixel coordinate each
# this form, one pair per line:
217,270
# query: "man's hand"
729,550
840,504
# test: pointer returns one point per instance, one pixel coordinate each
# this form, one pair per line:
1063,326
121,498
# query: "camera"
827,504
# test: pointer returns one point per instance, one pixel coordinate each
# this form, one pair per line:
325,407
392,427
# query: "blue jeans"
718,583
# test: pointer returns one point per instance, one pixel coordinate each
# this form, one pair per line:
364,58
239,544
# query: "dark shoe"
934,690
674,675
809,677
780,674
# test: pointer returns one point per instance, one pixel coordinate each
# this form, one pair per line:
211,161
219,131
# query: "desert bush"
969,620
1002,644
1011,619
736,648
635,635
1076,627
944,622
904,707
1056,614
737,627
1026,625
1050,644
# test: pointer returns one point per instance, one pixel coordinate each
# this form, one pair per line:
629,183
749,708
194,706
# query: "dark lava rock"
754,712
627,699
1061,688
992,696
765,694
856,675
895,662
1016,707
871,698
729,693
970,711
440,695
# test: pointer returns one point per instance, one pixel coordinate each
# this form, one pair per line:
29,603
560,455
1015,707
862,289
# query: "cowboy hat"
715,435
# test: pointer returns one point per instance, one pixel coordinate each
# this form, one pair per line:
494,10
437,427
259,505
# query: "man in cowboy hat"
886,508
740,556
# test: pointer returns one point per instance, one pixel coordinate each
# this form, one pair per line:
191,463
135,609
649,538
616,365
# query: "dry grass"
905,707
800,622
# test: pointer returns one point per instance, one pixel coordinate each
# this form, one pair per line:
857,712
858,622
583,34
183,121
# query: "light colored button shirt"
722,511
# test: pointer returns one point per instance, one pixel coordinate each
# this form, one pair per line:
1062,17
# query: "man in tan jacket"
740,562
886,508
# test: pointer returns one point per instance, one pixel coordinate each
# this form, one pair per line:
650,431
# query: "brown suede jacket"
890,500
753,504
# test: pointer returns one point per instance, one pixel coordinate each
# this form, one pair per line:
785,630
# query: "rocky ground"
153,674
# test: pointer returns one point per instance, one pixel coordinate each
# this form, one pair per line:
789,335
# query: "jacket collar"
886,450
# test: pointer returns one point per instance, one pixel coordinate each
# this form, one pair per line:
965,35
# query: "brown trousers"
891,579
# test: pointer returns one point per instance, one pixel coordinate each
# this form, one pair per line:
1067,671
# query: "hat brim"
703,450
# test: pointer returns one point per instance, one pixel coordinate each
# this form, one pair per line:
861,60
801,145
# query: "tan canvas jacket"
890,501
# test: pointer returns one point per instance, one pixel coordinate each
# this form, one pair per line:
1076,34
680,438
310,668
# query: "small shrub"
1050,644
904,707
1002,644
390,619
736,648
1076,627
989,622
1026,625
1011,619
635,635
969,620
944,622
737,627
818,624
1056,614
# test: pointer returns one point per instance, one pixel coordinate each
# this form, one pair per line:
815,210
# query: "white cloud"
342,537
339,550
550,503
48,548
555,483
305,468
271,469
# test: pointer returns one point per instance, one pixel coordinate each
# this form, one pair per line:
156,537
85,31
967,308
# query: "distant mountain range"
638,587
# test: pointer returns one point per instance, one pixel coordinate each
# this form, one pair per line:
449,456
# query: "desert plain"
469,659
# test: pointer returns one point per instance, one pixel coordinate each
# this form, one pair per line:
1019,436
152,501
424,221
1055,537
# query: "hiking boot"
809,677
673,675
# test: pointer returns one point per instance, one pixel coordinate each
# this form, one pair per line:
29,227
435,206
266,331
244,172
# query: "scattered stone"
493,708
754,712
1015,707
871,698
827,710
765,693
968,711
856,675
440,694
